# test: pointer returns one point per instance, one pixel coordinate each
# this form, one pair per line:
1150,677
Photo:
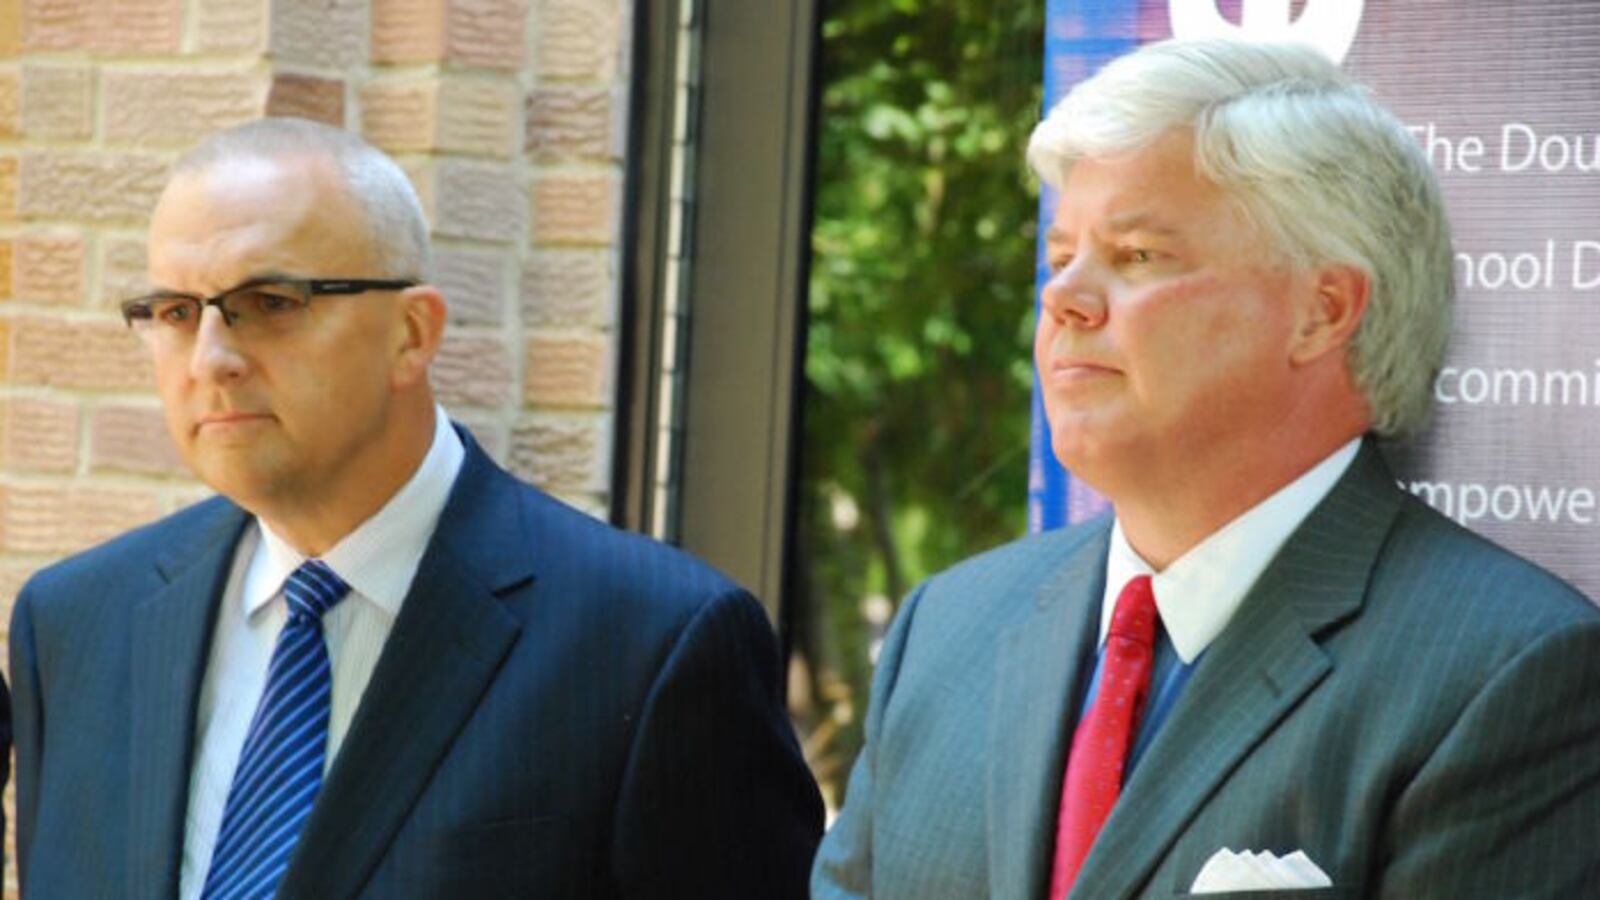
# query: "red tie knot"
1135,615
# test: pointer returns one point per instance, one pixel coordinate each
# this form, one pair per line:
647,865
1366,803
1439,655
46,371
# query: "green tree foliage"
918,362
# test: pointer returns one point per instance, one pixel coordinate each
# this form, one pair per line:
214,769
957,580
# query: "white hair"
1315,164
395,222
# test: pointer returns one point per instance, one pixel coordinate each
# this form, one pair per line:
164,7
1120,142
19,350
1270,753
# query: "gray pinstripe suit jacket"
1414,707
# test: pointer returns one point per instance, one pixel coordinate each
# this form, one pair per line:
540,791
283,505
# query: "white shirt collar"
1198,594
380,557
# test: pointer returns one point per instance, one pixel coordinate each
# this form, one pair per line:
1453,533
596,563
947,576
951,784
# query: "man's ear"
423,314
1331,312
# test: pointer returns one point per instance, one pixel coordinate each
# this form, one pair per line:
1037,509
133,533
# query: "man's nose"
216,355
1076,295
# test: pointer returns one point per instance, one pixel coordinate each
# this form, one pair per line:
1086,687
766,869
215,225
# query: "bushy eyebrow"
1121,223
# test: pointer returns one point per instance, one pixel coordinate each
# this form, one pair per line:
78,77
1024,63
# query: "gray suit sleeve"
843,867
1507,805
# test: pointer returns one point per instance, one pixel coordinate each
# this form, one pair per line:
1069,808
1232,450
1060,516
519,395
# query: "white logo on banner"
1328,25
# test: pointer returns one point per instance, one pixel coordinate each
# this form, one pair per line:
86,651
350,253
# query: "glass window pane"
918,361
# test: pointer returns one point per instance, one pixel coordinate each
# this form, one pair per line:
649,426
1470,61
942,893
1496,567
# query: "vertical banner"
1504,98
1080,36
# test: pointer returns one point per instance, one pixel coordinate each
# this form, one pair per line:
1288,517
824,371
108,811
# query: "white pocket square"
1229,871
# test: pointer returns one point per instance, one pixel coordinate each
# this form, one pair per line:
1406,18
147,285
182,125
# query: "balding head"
395,223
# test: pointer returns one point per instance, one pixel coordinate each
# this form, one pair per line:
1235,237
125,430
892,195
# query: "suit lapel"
1252,676
171,635
448,642
1044,662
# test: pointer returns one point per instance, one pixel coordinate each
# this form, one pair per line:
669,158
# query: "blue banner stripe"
1080,37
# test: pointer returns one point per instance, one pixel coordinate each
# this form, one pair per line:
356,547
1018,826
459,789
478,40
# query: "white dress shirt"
1202,589
377,560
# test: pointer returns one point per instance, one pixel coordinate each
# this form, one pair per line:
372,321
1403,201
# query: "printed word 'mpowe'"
1469,502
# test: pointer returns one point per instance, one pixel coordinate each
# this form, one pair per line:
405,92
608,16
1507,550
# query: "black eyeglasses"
261,305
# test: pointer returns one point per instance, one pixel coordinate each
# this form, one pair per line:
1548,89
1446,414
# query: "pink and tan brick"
400,114
574,209
477,33
60,518
567,288
570,121
7,245
40,435
473,370
10,103
100,26
322,34
560,453
122,269
88,186
132,439
177,108
407,31
138,26
473,282
9,169
308,97
82,354
57,24
486,33
478,116
10,35
478,201
231,26
578,40
48,267
57,102
462,115
566,371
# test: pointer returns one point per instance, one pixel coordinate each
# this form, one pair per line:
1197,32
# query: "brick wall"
507,114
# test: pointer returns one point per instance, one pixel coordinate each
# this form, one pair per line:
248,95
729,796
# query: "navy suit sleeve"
5,763
1508,803
843,868
716,800
24,726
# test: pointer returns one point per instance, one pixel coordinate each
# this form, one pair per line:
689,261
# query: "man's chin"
247,483
1090,454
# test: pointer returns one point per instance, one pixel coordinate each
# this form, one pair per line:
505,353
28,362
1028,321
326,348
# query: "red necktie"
1100,745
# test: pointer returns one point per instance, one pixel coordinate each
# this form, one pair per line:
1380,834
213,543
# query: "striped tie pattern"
280,769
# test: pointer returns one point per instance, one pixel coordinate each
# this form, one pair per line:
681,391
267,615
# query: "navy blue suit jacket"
561,710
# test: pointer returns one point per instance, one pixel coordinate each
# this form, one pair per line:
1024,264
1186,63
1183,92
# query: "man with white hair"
377,665
1271,667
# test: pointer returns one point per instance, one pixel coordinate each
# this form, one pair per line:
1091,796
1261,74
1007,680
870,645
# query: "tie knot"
313,589
1135,615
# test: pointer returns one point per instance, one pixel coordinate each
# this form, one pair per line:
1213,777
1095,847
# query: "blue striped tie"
280,770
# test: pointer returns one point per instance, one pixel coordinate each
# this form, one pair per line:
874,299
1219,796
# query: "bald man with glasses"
376,665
